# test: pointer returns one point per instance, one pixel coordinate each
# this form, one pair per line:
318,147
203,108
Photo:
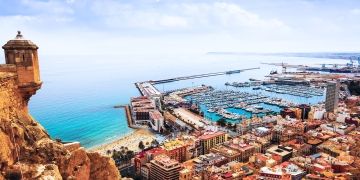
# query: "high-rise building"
164,168
332,96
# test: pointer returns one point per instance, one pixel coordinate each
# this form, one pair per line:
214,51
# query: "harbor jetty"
201,76
147,88
129,119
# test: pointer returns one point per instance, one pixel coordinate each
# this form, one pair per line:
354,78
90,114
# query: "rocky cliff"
27,152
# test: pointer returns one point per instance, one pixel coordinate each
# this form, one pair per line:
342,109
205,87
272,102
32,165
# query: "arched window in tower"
23,57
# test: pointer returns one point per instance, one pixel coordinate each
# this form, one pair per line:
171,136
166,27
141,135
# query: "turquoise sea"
76,100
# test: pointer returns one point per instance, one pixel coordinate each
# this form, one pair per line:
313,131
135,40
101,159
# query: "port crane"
323,65
352,59
285,66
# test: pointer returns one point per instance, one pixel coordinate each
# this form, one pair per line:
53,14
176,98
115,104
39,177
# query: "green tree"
221,122
141,145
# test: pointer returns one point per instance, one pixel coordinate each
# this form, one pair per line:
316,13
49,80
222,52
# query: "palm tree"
154,142
129,155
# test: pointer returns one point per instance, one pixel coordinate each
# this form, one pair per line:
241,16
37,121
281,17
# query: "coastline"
131,141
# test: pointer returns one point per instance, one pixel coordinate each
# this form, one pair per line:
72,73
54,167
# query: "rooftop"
165,161
238,145
284,168
156,115
210,158
226,151
142,103
282,151
173,144
211,134
20,43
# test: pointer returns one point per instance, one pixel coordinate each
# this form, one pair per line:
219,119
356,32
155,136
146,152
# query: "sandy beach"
130,141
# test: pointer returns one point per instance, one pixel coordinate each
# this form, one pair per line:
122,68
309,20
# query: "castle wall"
7,68
27,65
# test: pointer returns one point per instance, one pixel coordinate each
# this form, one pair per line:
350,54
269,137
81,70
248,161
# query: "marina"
280,88
223,103
302,91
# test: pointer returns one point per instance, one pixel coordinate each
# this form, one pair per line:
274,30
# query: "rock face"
27,152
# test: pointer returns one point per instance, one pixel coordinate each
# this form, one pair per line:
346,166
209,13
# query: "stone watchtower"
21,57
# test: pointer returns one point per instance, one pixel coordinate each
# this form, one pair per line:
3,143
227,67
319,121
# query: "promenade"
189,118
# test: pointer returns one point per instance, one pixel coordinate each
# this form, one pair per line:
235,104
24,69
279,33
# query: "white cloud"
206,16
173,21
233,15
118,15
104,27
70,1
355,11
17,22
17,19
50,7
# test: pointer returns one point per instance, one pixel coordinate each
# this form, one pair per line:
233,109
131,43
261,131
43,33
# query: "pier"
147,88
128,116
200,76
129,119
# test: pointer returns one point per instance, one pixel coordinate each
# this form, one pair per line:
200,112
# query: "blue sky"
156,26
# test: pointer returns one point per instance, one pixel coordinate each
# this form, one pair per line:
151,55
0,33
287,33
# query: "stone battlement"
4,76
7,68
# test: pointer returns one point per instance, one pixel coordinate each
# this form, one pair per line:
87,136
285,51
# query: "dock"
120,106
